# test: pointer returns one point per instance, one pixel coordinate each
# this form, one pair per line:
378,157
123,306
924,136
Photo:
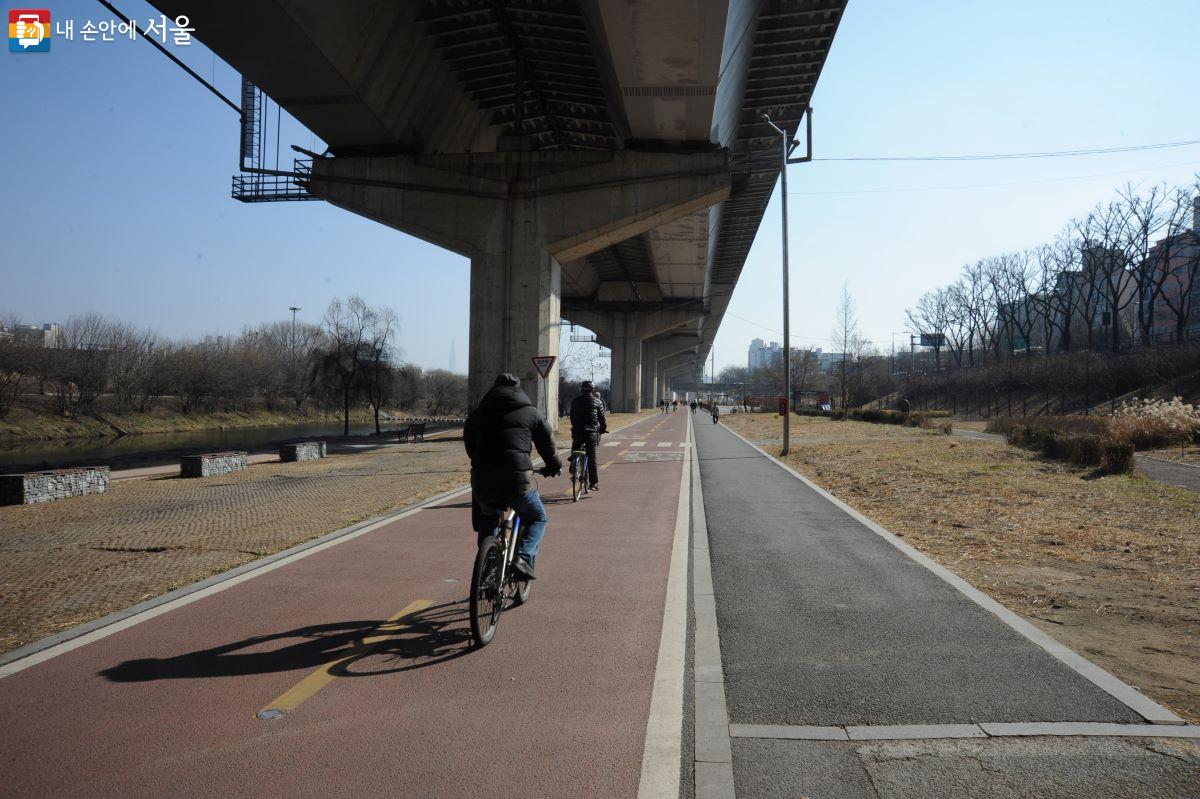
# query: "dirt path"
1109,566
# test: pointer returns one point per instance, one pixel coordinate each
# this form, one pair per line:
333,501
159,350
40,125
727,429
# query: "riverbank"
35,419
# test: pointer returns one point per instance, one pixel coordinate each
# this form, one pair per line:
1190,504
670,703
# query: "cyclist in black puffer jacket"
499,435
587,425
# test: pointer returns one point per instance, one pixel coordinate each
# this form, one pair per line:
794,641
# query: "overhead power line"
992,185
1008,156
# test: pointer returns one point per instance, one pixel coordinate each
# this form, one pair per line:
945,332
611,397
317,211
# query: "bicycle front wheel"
487,598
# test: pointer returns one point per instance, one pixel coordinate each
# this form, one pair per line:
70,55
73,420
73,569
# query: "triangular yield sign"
543,363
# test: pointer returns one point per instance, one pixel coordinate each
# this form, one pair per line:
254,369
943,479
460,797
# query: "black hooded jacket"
499,435
587,417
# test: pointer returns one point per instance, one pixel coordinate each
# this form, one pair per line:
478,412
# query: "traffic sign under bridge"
543,363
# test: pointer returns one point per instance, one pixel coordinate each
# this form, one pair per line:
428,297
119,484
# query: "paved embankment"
832,634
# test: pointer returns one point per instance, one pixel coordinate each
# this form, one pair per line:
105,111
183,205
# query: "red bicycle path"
556,706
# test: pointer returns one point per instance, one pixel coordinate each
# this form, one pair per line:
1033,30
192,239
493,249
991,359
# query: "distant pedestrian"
693,407
716,412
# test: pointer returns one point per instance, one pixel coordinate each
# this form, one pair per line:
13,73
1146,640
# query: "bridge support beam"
518,216
671,367
653,352
624,332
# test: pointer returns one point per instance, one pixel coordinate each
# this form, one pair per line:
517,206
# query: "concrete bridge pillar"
519,215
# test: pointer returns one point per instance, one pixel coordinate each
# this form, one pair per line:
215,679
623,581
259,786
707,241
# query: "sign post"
543,364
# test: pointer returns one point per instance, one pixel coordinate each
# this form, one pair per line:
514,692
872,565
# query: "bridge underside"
600,161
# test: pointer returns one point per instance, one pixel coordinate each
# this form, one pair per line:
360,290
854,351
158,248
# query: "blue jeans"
533,523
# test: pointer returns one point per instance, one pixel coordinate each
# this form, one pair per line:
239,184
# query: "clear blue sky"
119,167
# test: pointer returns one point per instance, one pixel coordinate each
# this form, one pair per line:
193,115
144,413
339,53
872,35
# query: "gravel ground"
1110,566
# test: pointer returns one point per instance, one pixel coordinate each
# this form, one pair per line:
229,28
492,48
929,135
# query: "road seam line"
662,752
60,643
933,732
1124,693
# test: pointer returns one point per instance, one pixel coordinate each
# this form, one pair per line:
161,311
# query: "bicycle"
494,581
579,474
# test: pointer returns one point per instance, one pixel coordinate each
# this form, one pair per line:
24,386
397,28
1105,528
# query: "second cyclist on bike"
587,425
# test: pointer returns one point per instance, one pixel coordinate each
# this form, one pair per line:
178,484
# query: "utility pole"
785,149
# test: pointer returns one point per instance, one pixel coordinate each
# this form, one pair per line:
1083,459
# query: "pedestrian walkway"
363,643
853,669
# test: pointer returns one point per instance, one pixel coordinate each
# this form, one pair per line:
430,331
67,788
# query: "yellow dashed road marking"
323,675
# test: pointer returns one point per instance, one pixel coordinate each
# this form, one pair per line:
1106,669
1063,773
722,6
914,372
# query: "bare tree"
346,327
445,392
845,336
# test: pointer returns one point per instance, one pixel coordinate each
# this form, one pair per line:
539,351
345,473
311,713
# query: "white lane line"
1126,694
611,444
663,750
638,444
713,749
666,443
929,732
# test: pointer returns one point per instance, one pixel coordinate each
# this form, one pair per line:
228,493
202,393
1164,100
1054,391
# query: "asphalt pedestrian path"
831,635
347,670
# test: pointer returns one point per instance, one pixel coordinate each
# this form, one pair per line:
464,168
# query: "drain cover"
270,713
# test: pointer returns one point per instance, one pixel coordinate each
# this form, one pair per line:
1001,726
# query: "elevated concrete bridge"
602,161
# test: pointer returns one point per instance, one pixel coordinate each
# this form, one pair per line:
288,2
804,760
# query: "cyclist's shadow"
350,649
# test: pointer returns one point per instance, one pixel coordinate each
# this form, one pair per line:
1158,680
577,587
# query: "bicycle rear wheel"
487,596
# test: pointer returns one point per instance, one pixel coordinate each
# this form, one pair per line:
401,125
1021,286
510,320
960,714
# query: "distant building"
1175,267
48,336
762,356
827,361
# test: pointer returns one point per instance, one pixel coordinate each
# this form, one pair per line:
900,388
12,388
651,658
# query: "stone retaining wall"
212,463
303,451
31,487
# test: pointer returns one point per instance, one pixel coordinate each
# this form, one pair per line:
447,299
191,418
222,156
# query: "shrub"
1118,457
1156,423
1002,425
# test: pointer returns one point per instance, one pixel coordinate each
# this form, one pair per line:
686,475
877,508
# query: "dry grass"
1110,566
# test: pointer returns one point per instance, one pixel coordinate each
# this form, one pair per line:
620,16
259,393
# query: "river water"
156,449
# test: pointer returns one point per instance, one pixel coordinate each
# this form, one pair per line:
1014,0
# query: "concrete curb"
931,732
1141,704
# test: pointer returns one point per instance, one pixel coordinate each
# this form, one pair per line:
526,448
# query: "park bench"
414,432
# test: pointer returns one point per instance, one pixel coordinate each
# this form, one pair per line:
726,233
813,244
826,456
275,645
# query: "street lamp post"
785,148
